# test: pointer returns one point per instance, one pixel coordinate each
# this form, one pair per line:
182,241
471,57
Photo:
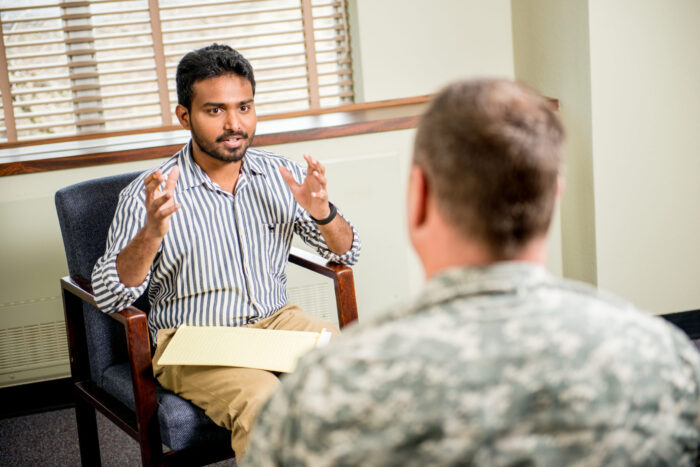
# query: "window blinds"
78,67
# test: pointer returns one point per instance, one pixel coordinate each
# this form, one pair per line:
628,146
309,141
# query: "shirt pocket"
277,240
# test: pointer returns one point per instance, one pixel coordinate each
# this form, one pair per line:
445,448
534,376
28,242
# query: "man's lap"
203,385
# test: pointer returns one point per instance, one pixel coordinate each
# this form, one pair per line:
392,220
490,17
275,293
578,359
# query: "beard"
224,154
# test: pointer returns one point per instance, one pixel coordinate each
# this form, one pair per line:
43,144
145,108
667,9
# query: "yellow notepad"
267,349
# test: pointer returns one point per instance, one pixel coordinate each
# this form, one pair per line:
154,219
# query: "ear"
183,115
417,198
560,187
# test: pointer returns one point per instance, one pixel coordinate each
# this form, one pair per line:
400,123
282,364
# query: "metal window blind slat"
234,37
205,3
38,6
46,113
45,90
230,25
33,31
14,45
209,3
104,37
58,53
256,58
242,49
112,24
174,18
44,126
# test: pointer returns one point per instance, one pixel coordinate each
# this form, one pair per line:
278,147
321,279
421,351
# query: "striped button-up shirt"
222,263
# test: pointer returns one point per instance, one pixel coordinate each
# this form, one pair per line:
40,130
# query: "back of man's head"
209,62
491,152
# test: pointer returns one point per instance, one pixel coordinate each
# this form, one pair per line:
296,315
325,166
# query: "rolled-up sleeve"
110,294
309,232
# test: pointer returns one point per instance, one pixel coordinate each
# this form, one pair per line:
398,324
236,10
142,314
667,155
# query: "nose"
232,122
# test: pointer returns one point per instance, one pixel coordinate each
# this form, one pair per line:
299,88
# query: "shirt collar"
192,175
507,277
252,162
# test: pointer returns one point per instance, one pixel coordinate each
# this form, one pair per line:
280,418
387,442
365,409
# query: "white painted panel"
645,70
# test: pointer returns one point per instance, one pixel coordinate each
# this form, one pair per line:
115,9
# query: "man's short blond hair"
491,151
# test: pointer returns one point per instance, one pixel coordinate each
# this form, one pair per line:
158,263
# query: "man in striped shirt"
209,232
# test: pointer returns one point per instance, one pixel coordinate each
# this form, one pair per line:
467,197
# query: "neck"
223,173
452,250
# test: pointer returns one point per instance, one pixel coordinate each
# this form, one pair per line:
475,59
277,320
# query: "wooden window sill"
349,120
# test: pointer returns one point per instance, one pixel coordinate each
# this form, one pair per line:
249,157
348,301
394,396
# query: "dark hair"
209,62
491,151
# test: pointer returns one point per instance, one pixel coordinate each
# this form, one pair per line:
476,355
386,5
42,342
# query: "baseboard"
32,398
687,321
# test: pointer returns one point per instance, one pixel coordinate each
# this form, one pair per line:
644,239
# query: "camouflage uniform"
501,365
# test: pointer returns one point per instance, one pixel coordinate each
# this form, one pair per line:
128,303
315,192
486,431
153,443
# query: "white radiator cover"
33,343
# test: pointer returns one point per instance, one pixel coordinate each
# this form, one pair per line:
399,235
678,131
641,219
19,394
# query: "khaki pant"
232,396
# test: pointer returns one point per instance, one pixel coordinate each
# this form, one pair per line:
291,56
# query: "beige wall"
414,47
627,74
551,54
645,72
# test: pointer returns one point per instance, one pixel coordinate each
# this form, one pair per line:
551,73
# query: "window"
78,67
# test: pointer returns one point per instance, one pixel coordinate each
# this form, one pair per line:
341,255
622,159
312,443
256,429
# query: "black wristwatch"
330,217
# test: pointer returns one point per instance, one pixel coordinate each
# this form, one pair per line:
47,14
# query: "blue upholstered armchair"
110,354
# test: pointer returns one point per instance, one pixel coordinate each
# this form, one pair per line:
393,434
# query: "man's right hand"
135,260
160,204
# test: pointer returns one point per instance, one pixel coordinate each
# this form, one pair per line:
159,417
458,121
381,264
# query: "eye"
245,108
215,110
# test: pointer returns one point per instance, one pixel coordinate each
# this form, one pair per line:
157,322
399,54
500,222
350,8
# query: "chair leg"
151,454
87,434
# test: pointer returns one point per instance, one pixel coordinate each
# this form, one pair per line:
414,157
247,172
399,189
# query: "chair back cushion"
85,211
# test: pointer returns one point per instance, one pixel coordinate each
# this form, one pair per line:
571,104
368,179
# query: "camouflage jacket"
501,365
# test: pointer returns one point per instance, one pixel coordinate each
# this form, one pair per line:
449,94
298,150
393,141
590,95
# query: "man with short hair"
496,362
211,230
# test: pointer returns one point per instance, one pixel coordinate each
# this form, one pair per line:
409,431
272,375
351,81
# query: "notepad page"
267,349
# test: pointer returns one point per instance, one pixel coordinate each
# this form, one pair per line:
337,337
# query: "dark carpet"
51,439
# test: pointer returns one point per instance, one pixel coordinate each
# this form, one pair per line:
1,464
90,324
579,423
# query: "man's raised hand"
160,204
311,194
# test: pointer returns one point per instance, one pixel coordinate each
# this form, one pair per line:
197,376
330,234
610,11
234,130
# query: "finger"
172,179
159,202
319,177
311,163
151,182
169,210
321,169
320,194
314,164
287,176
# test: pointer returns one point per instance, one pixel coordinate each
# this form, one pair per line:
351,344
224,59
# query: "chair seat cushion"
182,424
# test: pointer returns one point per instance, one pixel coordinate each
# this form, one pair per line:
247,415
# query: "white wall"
627,75
645,72
551,54
414,47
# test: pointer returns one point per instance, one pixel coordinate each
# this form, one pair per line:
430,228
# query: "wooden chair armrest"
135,324
343,281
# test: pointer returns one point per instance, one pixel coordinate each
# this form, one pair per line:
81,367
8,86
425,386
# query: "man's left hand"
311,194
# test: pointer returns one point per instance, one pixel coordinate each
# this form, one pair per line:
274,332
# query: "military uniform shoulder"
586,291
605,307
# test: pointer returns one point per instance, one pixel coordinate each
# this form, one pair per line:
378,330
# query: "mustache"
228,134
